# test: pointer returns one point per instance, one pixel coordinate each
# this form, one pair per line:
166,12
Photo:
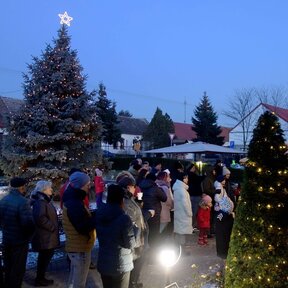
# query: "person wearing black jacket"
17,225
46,237
116,240
195,191
152,198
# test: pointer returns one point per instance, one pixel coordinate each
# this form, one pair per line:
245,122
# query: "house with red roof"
242,133
184,133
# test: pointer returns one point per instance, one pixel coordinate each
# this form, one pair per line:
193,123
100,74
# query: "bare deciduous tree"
240,106
245,100
274,95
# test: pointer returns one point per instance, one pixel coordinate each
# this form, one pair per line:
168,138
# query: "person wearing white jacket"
182,210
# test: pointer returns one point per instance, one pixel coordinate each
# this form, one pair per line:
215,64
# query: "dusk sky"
153,53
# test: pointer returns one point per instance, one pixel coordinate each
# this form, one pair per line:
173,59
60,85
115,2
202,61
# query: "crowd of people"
145,207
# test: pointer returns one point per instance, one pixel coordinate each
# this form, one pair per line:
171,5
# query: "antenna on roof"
185,104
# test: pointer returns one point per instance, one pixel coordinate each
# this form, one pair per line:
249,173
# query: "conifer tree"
106,111
205,123
157,132
258,248
57,128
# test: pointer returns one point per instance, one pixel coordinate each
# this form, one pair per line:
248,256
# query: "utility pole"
185,104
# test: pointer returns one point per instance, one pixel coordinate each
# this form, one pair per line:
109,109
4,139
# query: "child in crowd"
203,218
99,186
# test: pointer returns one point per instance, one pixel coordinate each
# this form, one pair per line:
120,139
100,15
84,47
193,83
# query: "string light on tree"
65,18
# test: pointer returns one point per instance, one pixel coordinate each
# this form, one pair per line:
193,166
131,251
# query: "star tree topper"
65,18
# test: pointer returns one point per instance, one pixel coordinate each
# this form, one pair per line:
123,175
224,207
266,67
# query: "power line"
148,96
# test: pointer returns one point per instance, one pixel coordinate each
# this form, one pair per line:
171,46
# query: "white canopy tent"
196,147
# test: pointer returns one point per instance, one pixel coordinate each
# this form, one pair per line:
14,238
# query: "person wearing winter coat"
99,186
224,217
228,187
182,210
116,240
195,190
152,198
163,181
17,226
208,189
79,227
46,237
203,219
133,210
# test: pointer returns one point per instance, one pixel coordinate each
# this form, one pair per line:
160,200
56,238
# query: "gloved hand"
220,216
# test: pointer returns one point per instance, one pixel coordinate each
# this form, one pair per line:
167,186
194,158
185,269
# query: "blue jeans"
195,205
80,262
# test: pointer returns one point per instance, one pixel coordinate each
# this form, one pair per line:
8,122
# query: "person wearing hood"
46,237
79,227
16,222
133,210
116,240
182,210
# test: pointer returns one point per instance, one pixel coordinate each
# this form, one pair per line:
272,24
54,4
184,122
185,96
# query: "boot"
201,241
205,239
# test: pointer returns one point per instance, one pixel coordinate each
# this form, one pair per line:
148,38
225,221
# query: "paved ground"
199,269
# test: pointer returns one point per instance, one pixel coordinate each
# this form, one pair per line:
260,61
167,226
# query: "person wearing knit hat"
116,240
79,226
134,211
78,180
18,182
203,218
225,171
17,224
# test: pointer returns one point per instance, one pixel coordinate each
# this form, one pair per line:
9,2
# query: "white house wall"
128,145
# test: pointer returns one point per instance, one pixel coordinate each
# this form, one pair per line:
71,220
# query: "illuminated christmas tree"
258,254
57,128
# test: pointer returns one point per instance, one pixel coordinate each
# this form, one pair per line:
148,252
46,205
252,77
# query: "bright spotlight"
168,257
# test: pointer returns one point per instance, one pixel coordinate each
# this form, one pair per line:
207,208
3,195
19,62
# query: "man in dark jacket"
116,240
152,198
18,227
195,191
